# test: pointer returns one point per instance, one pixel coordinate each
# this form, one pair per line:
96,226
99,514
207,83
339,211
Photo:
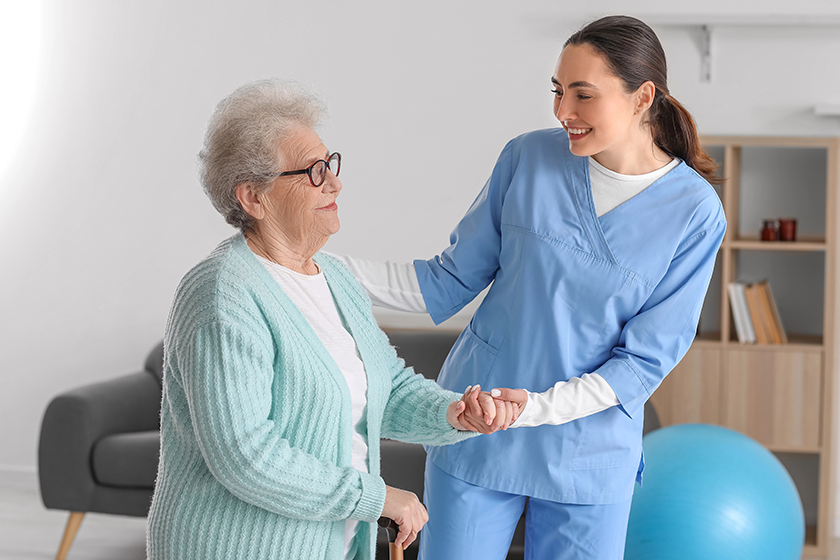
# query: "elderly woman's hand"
454,413
407,511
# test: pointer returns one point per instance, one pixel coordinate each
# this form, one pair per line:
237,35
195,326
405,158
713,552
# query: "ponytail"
674,131
633,53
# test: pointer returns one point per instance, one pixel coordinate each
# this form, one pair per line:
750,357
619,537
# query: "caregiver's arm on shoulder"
565,401
388,284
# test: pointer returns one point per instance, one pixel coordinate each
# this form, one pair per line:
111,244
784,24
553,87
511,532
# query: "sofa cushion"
127,460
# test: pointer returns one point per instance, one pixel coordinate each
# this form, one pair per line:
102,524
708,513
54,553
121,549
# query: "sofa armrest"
74,421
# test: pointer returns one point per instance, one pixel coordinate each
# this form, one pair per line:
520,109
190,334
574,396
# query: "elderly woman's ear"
250,201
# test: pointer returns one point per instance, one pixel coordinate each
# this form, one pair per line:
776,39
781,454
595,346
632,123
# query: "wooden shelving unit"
782,395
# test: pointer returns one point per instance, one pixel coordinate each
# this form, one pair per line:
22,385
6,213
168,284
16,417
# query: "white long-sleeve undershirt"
389,285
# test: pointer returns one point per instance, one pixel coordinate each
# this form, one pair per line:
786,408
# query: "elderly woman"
278,383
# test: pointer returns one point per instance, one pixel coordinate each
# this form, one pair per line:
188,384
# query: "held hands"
485,412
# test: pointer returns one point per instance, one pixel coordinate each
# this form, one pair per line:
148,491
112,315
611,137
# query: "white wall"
101,212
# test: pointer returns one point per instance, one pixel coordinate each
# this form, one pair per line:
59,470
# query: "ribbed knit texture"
256,419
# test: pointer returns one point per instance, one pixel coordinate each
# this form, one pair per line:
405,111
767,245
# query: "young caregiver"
599,238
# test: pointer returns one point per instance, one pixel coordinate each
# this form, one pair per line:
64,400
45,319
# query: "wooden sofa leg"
70,530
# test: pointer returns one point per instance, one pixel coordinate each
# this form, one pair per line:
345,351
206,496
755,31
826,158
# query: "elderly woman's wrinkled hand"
407,511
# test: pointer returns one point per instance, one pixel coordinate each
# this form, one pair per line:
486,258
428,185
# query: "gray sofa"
99,444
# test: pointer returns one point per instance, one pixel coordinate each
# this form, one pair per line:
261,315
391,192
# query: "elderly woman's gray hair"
242,138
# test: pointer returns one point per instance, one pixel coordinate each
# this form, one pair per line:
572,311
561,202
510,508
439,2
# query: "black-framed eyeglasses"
318,171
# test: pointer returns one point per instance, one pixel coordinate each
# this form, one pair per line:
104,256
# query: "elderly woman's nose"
331,183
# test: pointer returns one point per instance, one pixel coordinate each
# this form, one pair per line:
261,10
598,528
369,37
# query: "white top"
395,286
311,294
611,189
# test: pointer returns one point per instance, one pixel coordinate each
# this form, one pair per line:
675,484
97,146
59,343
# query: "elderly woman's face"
302,213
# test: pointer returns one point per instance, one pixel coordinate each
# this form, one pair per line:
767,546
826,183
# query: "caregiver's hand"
484,413
407,511
518,397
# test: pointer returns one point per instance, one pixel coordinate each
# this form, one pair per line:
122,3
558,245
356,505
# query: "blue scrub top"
571,293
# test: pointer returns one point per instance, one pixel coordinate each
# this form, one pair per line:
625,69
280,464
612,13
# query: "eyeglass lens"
319,170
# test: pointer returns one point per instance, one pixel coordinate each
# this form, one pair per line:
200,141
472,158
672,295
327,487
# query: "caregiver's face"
591,103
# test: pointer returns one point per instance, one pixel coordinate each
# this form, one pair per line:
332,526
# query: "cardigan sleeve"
455,277
416,407
653,342
227,377
416,411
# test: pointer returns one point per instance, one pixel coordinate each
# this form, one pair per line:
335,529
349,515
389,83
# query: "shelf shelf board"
827,110
797,343
707,23
757,245
793,449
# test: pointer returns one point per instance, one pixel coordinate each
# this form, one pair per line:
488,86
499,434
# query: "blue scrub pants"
467,521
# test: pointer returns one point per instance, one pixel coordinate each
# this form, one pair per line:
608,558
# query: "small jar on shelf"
769,230
787,229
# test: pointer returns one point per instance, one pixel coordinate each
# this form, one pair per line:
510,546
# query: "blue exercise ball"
710,493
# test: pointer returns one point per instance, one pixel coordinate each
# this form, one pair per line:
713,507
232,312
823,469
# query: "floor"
28,531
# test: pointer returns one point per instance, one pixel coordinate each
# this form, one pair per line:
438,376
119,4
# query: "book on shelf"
736,312
761,335
766,313
773,312
740,313
755,313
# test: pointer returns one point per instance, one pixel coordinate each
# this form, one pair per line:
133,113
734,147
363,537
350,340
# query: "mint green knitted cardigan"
256,419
